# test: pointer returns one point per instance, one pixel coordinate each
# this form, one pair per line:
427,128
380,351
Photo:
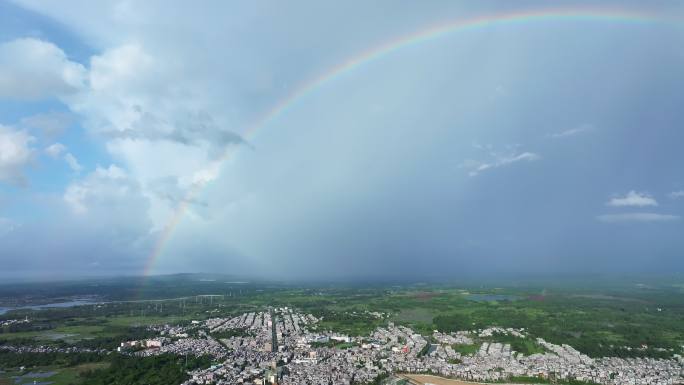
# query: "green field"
75,330
467,350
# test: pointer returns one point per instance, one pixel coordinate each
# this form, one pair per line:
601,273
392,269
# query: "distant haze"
533,147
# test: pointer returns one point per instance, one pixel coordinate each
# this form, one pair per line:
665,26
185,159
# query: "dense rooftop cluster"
281,346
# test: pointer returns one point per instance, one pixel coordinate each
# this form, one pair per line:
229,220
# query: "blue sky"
551,146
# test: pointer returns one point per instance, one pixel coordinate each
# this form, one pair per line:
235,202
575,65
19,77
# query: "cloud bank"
127,130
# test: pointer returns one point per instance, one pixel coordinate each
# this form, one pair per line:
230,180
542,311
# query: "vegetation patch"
466,350
163,369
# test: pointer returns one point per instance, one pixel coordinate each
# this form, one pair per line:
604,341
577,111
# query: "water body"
33,376
492,297
76,302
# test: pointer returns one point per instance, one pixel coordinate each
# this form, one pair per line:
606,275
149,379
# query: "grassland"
84,328
467,350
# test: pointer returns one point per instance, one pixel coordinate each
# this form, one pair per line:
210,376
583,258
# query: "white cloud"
15,153
477,167
573,131
637,218
104,188
73,162
676,194
55,150
34,69
102,217
108,204
132,96
115,68
159,115
634,199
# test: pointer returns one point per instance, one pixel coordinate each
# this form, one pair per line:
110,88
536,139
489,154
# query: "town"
283,346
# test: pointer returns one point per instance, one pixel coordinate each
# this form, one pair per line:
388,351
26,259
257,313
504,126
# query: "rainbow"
372,54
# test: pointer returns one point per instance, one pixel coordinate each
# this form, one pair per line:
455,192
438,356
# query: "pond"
32,377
